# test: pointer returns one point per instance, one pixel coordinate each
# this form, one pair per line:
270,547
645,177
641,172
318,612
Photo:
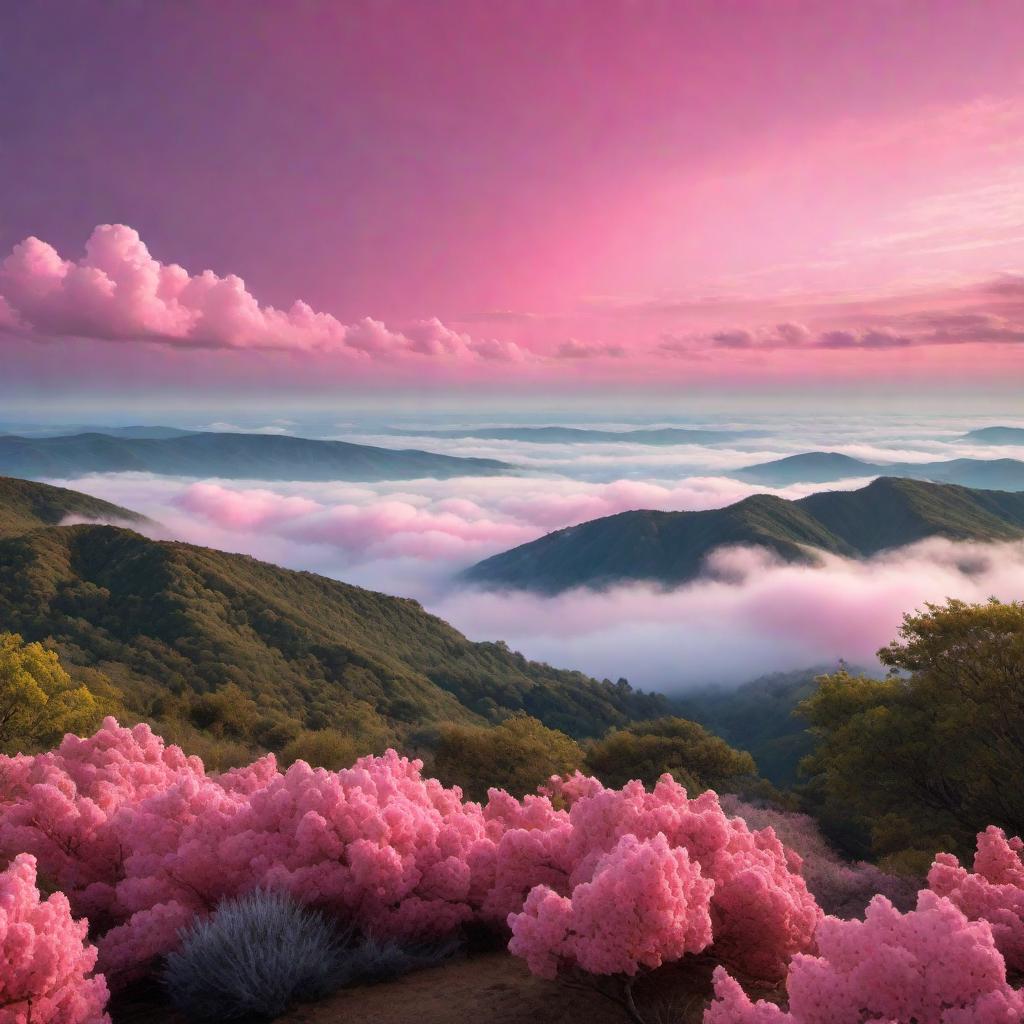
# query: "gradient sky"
517,197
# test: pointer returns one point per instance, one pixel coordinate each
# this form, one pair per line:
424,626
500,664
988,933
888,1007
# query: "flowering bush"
994,892
761,910
45,969
645,905
143,841
929,966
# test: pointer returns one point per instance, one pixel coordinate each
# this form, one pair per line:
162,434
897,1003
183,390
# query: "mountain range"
49,430
996,435
228,455
166,621
672,547
823,467
580,435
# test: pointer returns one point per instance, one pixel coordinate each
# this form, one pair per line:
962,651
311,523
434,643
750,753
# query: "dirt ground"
486,988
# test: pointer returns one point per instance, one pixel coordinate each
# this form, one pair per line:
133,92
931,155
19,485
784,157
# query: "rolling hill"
25,505
996,435
823,467
580,435
231,456
671,547
168,621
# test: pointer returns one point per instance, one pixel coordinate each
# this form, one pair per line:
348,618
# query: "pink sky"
543,195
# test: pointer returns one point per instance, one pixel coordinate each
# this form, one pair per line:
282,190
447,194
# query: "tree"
38,700
518,755
924,757
685,750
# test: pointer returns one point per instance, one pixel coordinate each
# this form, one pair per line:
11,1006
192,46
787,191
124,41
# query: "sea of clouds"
752,615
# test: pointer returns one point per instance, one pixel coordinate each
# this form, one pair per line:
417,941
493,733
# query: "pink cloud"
119,292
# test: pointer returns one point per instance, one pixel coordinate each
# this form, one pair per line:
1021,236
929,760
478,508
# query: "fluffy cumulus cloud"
119,292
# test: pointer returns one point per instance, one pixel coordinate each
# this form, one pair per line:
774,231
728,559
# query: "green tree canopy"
518,755
687,751
935,753
39,703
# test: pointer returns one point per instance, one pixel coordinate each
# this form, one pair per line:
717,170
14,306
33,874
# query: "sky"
296,201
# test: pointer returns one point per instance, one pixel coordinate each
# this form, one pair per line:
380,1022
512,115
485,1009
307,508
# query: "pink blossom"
928,966
45,967
647,904
994,892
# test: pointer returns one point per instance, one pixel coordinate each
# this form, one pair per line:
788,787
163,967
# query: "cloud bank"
753,616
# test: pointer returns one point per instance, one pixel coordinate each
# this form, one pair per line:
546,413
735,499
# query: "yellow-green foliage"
687,751
518,755
360,730
931,755
38,700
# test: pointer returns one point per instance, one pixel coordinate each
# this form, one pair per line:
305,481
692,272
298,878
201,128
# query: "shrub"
142,840
994,892
321,748
929,966
45,967
518,756
646,904
685,750
253,957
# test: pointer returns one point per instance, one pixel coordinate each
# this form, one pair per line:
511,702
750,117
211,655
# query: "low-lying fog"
412,537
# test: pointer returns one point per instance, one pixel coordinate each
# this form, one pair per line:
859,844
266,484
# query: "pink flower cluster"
647,904
45,968
142,841
994,892
928,966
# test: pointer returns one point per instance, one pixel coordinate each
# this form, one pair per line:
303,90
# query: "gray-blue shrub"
253,957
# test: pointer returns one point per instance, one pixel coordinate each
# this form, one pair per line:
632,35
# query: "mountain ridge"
229,456
670,548
26,505
825,467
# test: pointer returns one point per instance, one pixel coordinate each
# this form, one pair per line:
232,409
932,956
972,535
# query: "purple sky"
542,195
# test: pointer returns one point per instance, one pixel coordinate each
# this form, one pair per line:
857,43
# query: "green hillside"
167,621
230,456
671,547
25,505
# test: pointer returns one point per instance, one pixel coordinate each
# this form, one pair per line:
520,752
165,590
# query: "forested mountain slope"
165,620
672,547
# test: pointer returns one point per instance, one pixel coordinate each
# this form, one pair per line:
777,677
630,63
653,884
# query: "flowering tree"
45,969
929,966
993,892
